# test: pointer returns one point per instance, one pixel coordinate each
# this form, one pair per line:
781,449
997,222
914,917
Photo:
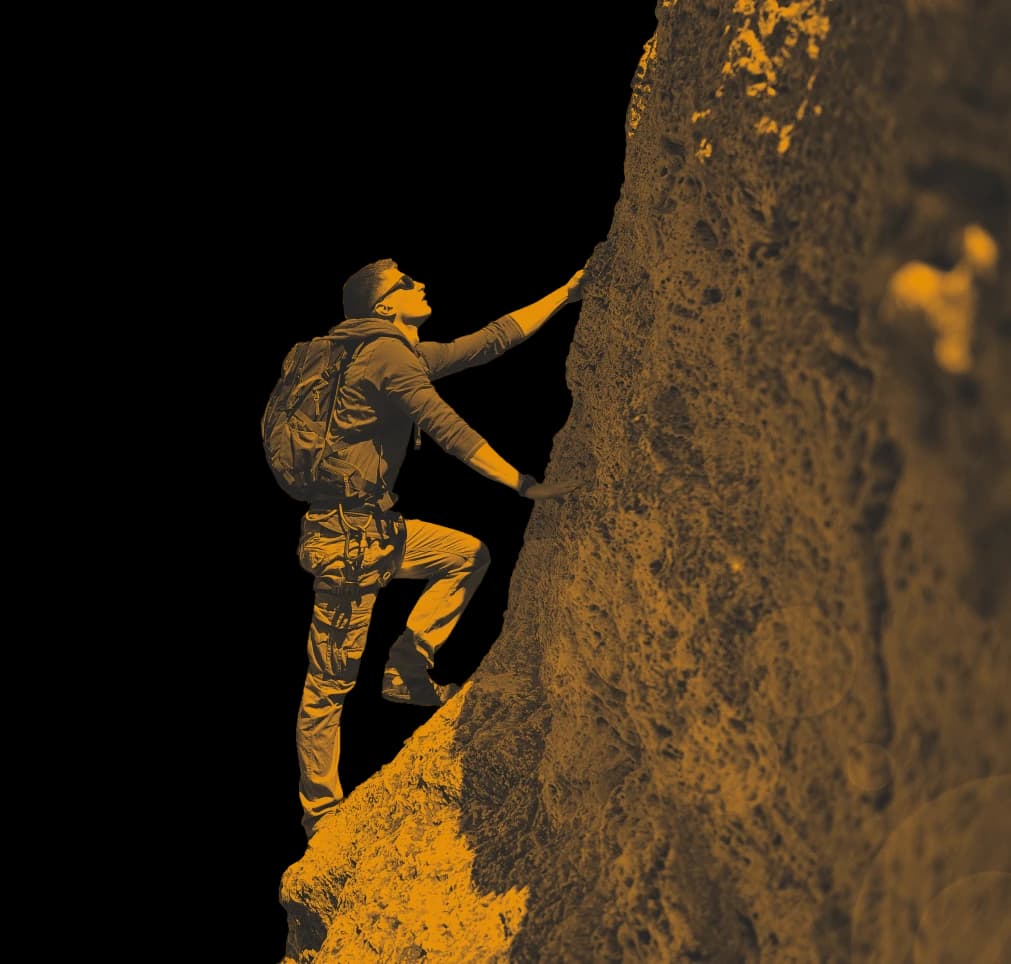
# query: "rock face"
750,698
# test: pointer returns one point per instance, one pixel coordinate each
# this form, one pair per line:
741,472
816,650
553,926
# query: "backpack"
296,427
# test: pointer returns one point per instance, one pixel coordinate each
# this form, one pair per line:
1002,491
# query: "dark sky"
489,168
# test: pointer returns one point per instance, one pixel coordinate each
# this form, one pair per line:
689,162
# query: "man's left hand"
532,489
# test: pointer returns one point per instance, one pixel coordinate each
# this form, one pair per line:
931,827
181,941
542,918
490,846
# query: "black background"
483,151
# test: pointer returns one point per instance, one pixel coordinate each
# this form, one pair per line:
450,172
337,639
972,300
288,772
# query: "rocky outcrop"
750,697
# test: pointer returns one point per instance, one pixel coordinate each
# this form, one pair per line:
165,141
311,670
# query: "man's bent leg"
454,563
336,642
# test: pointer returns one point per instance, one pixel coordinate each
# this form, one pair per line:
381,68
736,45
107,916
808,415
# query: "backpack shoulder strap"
351,345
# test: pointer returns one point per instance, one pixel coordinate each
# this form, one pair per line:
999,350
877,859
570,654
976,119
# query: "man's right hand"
574,287
530,488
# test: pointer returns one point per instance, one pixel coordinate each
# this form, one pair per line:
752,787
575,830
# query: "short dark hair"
363,287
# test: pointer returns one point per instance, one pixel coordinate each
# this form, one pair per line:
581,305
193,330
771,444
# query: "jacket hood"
367,328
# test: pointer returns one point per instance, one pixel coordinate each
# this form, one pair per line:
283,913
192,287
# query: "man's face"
406,296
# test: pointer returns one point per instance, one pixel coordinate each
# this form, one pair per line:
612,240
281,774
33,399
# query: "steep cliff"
750,698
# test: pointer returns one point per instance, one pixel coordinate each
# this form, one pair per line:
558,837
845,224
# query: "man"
353,543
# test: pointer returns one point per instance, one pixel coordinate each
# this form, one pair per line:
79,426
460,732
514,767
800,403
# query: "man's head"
382,290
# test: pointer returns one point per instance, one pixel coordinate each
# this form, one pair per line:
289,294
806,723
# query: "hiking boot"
406,678
426,693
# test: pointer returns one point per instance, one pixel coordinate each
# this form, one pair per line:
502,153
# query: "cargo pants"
381,546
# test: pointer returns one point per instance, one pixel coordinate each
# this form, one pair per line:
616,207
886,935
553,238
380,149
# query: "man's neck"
410,332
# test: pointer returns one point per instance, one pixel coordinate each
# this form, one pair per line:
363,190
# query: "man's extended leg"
336,642
454,564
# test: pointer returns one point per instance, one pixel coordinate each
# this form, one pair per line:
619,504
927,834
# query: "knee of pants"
323,697
481,558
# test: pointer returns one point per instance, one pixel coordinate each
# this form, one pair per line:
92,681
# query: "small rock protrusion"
946,300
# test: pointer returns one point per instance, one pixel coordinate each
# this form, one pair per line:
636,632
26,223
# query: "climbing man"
353,541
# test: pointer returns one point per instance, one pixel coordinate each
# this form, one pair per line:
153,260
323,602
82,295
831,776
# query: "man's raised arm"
488,343
533,316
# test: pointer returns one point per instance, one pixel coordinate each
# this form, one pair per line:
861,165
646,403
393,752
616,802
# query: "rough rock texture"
750,699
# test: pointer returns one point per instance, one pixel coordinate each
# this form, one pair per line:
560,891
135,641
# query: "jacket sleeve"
477,348
400,375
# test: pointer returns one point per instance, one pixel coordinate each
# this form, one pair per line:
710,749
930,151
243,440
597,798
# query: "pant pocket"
385,548
313,553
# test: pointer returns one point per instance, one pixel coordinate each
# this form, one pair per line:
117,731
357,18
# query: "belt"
349,505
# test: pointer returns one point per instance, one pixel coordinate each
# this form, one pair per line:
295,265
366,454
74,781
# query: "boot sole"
423,693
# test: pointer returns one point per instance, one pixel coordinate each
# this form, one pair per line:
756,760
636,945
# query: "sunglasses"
402,282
